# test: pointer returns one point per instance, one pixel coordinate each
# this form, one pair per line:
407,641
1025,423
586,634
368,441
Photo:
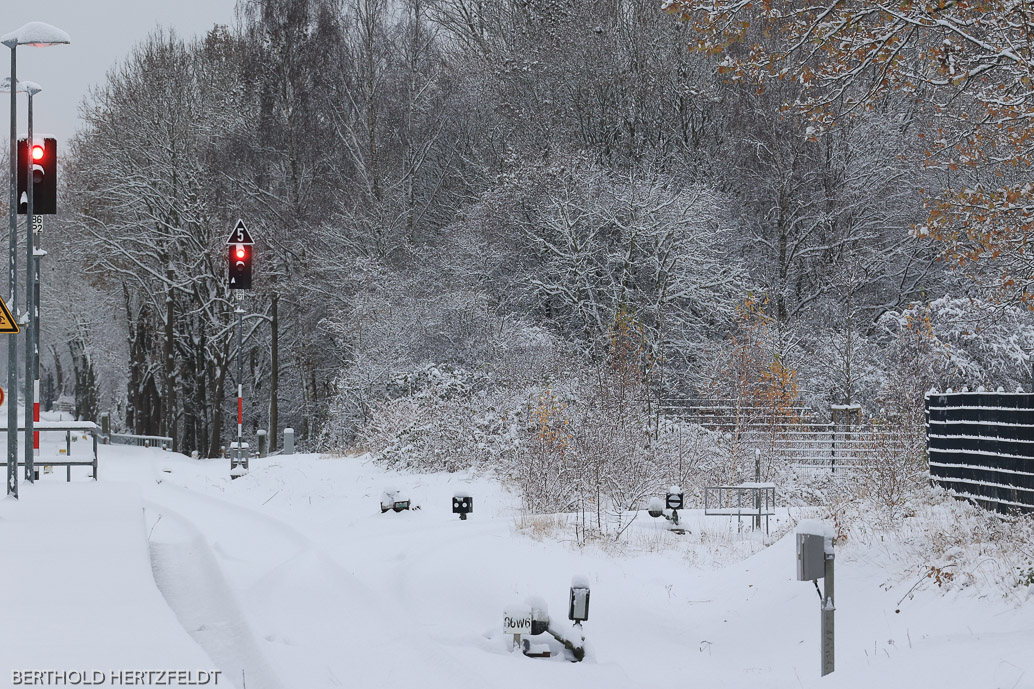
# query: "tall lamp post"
31,342
31,308
36,34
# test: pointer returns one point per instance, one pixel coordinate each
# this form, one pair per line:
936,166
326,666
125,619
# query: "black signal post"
37,185
240,246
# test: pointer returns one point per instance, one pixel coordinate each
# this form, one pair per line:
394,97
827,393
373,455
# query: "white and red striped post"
240,417
239,464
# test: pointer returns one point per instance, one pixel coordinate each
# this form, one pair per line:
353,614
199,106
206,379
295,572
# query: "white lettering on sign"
517,624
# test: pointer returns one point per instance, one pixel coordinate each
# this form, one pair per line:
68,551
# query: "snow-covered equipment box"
811,559
813,539
391,499
462,504
579,608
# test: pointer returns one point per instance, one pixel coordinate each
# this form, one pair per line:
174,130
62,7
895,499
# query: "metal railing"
68,428
159,441
793,435
832,448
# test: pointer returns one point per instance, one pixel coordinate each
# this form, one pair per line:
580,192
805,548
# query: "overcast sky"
102,32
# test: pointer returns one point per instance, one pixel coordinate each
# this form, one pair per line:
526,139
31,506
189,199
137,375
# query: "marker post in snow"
668,508
239,462
814,561
532,619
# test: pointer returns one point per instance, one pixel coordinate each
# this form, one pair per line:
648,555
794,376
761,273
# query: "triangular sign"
7,324
240,235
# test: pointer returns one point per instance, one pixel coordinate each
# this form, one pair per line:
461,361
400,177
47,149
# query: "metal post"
288,441
261,442
828,609
37,259
170,359
12,350
757,479
240,462
833,448
29,308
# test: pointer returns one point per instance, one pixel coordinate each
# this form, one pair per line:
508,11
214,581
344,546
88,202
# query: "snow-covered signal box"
811,557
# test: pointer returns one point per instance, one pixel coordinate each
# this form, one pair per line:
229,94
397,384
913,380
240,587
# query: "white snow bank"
815,528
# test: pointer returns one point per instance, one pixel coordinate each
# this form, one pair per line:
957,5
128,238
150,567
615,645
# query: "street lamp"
36,34
31,269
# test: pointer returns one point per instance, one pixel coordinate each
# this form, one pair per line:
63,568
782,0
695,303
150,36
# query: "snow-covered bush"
431,380
954,341
937,541
433,433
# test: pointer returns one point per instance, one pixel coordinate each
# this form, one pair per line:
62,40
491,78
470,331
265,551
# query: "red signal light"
37,152
240,266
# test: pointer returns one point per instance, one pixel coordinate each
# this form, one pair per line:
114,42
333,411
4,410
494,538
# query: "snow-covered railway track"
261,598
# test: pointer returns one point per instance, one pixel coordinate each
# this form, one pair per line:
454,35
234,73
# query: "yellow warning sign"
7,324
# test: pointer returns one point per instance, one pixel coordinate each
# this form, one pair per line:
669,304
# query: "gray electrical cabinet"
811,557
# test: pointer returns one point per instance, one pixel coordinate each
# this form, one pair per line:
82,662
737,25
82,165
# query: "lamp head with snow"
29,87
37,34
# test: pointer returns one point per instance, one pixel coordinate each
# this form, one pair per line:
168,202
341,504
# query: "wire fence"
795,436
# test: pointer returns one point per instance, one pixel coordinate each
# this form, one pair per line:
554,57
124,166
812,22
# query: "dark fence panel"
981,445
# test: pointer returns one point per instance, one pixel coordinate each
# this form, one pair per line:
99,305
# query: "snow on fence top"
980,446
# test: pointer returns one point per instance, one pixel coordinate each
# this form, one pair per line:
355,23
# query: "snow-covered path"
77,592
264,598
291,577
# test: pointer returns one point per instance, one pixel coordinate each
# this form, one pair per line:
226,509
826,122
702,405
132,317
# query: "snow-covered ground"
292,578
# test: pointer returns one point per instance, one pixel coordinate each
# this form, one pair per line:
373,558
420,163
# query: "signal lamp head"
37,152
240,252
